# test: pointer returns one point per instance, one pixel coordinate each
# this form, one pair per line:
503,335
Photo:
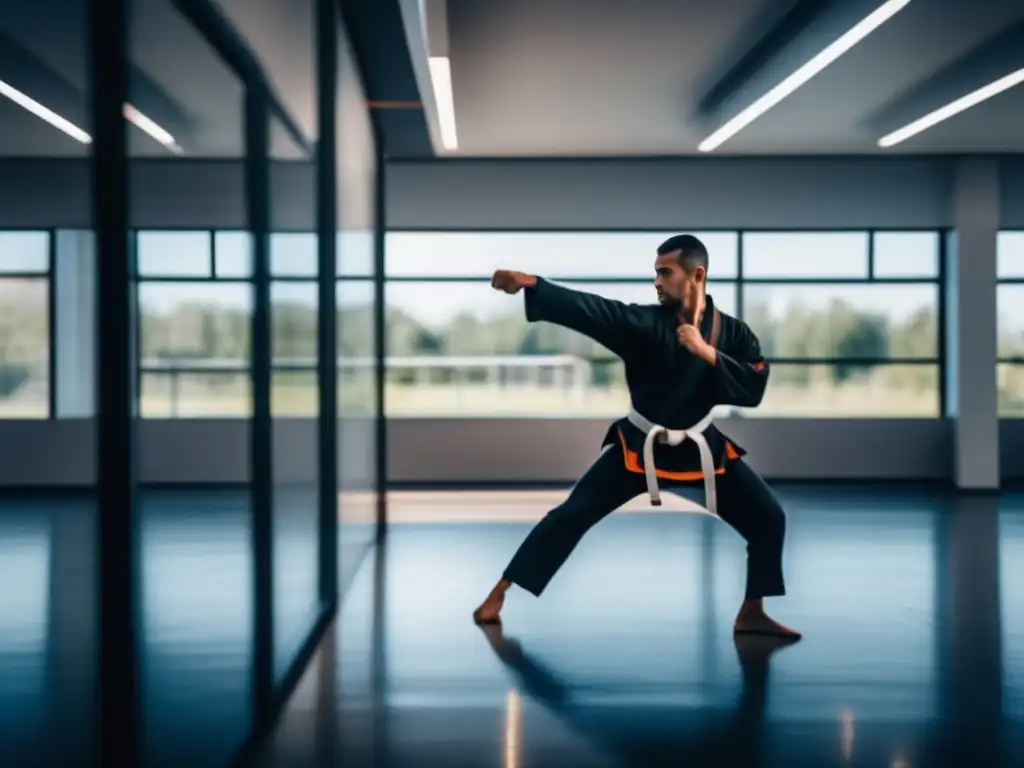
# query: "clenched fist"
510,281
690,339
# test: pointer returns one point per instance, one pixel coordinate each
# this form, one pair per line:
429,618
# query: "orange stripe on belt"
633,463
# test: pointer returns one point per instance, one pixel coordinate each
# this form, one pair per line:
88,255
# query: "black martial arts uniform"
671,387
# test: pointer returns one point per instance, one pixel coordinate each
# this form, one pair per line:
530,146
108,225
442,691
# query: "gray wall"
678,194
655,194
558,450
786,193
422,451
792,193
205,194
61,452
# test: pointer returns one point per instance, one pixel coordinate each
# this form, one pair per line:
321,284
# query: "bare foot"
489,611
760,623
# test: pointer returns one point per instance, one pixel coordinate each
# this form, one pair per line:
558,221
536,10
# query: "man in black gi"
682,357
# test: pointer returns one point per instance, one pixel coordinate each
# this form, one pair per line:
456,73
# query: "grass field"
855,400
888,393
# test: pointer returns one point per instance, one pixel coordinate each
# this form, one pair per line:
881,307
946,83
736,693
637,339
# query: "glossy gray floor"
912,603
197,620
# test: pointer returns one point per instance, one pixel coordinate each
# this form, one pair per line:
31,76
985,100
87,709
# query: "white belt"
676,437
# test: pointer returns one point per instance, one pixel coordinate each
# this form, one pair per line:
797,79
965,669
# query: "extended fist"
510,281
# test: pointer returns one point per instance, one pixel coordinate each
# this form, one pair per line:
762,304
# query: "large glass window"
578,255
356,218
25,332
1010,323
457,348
293,299
848,319
194,323
296,468
355,339
195,306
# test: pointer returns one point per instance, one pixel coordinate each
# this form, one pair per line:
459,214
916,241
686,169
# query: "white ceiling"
607,77
199,99
282,35
538,77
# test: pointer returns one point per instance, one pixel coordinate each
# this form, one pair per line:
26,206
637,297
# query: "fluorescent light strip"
43,113
953,108
72,130
813,67
441,78
146,125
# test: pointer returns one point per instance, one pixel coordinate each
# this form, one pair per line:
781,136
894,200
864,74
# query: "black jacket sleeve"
613,324
741,372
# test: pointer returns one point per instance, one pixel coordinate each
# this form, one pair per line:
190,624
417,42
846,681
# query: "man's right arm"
613,324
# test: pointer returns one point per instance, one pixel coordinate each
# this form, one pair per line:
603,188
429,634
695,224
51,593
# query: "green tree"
855,335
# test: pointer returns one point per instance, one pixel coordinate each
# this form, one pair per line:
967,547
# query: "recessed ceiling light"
441,78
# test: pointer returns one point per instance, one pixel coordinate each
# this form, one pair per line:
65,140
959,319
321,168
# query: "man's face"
676,286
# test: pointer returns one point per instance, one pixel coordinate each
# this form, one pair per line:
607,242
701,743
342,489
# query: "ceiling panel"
536,77
596,77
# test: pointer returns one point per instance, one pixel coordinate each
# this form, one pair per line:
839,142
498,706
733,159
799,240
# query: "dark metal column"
327,342
115,450
943,341
51,319
380,342
258,198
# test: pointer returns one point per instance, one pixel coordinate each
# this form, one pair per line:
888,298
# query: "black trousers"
744,501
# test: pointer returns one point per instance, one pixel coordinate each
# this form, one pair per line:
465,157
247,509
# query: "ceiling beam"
22,69
780,34
216,28
435,26
25,71
152,100
377,31
798,37
995,58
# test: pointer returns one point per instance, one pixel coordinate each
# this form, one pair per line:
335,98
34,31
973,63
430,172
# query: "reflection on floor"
197,622
197,608
913,653
47,616
911,604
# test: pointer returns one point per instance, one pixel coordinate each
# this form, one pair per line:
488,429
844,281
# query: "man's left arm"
741,374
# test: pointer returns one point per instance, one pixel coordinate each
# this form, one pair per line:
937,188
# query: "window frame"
51,310
242,367
741,280
1013,361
